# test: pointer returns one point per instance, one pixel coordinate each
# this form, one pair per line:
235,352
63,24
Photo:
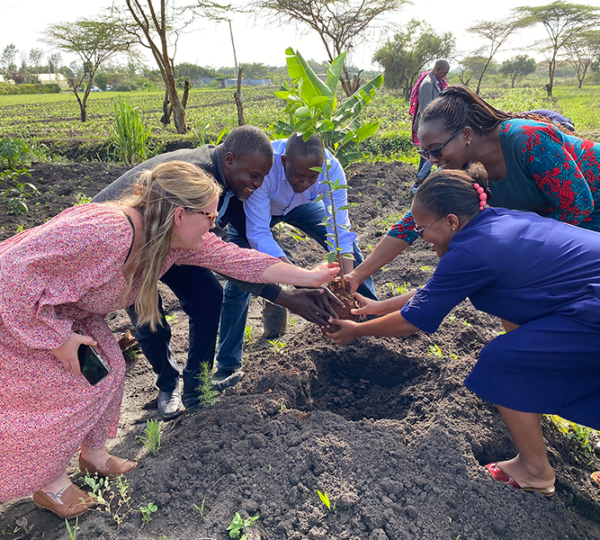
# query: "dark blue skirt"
550,366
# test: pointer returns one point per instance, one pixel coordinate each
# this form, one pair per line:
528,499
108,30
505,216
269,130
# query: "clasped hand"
67,352
349,330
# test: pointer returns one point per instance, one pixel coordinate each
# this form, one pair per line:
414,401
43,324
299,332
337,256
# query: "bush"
13,90
125,86
388,145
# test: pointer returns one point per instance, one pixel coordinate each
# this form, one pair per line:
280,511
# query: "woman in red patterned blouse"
58,282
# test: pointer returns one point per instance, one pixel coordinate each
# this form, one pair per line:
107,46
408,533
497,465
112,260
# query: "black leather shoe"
191,402
225,378
169,404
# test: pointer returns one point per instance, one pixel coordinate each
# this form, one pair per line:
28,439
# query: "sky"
209,43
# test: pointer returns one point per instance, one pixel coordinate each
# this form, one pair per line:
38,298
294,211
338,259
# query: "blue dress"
542,275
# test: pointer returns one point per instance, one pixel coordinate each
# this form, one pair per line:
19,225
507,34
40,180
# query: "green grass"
56,116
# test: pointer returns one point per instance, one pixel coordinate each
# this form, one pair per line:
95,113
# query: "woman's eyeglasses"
211,217
421,230
436,153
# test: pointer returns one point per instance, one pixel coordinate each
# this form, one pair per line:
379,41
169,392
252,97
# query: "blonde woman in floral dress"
58,282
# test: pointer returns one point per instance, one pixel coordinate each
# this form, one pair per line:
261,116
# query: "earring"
453,228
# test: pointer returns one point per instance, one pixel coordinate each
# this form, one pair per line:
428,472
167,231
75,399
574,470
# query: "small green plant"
248,335
398,289
116,503
201,507
237,526
425,268
129,139
151,437
206,392
282,228
72,532
16,196
147,512
171,319
325,500
278,346
293,321
20,228
466,323
452,318
584,436
82,198
451,354
436,351
202,135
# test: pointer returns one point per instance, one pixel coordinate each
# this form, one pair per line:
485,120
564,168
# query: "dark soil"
384,426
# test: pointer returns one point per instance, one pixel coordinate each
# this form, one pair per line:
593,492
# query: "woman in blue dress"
532,165
542,276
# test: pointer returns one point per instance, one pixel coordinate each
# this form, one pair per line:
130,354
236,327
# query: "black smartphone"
93,367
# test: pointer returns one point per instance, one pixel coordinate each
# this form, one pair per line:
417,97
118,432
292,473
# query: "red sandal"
500,476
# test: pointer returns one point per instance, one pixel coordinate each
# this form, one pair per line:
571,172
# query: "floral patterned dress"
64,276
547,172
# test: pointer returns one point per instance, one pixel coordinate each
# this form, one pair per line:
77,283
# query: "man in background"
428,87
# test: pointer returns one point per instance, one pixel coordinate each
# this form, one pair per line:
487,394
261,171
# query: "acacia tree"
341,24
563,21
95,42
7,59
497,32
583,51
157,25
518,66
410,50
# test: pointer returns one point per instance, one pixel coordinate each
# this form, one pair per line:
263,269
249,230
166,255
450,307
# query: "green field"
55,117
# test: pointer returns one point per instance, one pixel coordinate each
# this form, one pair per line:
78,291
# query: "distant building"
54,78
224,83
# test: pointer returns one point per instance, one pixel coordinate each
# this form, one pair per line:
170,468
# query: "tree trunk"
512,84
237,96
186,93
166,117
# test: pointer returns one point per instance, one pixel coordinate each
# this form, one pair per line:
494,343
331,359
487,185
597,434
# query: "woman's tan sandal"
74,502
115,466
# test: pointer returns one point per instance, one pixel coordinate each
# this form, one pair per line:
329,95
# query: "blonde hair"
158,193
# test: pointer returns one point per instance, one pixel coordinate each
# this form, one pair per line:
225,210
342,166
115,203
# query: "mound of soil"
383,426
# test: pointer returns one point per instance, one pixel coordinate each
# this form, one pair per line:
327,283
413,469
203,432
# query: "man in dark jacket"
239,165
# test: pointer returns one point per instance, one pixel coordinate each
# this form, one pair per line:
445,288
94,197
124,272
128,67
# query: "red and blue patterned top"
547,171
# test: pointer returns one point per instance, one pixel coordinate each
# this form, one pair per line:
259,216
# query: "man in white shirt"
287,194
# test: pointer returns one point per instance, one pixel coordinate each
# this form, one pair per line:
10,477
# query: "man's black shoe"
226,378
169,404
191,402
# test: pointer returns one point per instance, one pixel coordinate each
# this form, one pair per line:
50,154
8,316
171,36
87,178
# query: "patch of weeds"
147,512
82,198
171,319
131,354
116,503
436,351
151,437
237,526
278,347
398,289
248,335
282,228
584,436
206,392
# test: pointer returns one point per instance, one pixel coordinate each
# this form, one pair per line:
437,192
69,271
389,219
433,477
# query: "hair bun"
478,173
